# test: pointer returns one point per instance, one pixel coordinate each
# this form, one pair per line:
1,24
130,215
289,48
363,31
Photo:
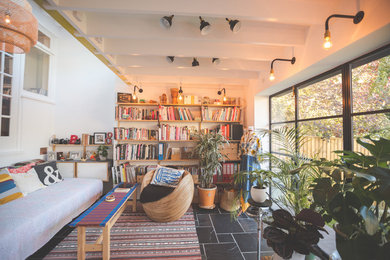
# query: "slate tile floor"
220,237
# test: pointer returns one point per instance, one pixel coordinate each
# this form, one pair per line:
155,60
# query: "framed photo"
100,138
88,154
60,156
51,156
75,156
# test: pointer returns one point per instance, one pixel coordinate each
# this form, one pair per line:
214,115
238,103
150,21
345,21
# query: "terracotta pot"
229,201
206,197
259,195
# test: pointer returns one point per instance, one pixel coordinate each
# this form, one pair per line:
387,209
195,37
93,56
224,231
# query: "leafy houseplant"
102,152
259,178
207,149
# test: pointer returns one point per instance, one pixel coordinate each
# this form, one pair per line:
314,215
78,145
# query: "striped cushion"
8,189
165,176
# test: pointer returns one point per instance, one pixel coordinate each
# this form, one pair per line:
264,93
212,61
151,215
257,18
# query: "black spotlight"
205,27
195,62
170,59
166,21
216,61
235,25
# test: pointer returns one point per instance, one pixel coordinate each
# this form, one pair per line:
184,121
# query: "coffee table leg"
135,200
80,243
106,242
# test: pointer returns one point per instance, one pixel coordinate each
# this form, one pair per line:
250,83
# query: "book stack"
168,132
222,114
136,152
133,133
228,170
175,113
135,113
128,173
231,131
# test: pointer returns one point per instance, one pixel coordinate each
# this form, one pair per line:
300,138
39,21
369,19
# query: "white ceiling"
129,35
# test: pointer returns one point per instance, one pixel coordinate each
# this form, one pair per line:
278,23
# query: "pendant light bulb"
327,42
7,18
224,98
272,75
180,97
134,96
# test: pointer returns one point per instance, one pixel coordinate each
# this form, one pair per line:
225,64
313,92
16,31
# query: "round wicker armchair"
173,206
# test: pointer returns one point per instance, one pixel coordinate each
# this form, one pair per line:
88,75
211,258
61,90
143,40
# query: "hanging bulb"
7,18
134,96
271,75
180,97
327,42
224,98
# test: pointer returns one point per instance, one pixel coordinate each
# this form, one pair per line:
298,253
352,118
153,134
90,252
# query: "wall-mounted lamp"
356,19
271,74
195,62
140,90
205,27
216,61
170,59
166,21
180,93
235,25
224,93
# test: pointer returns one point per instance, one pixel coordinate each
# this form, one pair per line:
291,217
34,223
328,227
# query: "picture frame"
60,156
76,156
88,154
51,156
100,138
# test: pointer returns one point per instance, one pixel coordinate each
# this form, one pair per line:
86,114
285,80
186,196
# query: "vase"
259,195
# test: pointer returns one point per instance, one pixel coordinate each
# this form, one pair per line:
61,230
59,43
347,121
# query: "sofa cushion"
154,193
27,182
21,169
48,173
8,189
165,176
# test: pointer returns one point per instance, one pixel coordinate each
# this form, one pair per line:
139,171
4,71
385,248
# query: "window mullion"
347,106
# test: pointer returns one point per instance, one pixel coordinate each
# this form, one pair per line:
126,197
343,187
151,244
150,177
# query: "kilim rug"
135,236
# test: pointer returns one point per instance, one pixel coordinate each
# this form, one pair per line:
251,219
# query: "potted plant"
259,179
102,152
229,200
207,149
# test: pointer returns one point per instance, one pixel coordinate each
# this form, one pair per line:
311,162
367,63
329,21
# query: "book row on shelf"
135,113
175,113
231,131
133,133
177,133
228,170
136,152
128,173
222,114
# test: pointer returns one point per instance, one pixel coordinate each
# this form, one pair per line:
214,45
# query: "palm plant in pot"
207,149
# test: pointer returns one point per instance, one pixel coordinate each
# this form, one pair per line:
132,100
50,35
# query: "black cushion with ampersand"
48,173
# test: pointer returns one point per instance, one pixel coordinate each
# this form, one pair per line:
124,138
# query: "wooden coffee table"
103,215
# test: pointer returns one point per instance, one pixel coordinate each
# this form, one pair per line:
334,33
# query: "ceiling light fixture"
140,90
216,61
205,27
180,93
224,93
272,73
357,18
18,26
235,25
166,21
170,59
195,62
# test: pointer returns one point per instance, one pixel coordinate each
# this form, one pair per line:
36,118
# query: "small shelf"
177,141
126,120
139,104
211,121
137,160
180,160
178,121
136,141
215,105
98,144
67,145
181,105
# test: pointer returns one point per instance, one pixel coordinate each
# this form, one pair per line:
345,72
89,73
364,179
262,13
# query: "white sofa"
28,223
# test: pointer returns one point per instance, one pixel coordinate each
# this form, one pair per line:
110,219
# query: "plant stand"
256,211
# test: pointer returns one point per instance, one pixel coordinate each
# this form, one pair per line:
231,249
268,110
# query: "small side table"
256,211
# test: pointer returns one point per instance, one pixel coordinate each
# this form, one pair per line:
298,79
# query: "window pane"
371,86
366,124
6,106
5,122
320,99
275,144
322,137
7,85
8,64
283,107
36,72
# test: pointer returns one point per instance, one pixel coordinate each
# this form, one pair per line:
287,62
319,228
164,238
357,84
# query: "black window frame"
347,112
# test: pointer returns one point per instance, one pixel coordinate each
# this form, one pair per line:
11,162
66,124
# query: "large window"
335,108
6,72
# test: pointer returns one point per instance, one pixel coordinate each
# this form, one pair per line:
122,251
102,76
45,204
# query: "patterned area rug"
135,236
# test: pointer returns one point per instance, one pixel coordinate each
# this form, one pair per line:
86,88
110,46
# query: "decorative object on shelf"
174,94
216,61
51,156
73,139
206,101
204,27
357,18
195,62
124,98
140,90
170,59
166,22
224,94
109,136
272,72
99,138
19,27
89,154
102,152
164,99
235,25
208,151
60,156
75,156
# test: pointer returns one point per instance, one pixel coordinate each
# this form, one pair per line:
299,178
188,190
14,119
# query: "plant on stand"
102,152
207,149
259,179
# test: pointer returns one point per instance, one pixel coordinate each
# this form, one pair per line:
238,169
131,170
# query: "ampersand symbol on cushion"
51,176
109,138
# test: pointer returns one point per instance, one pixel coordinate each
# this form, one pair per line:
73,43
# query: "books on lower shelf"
228,170
169,132
128,173
221,114
231,131
175,113
136,152
134,133
135,113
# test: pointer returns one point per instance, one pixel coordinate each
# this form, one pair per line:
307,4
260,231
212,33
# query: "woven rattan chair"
173,206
